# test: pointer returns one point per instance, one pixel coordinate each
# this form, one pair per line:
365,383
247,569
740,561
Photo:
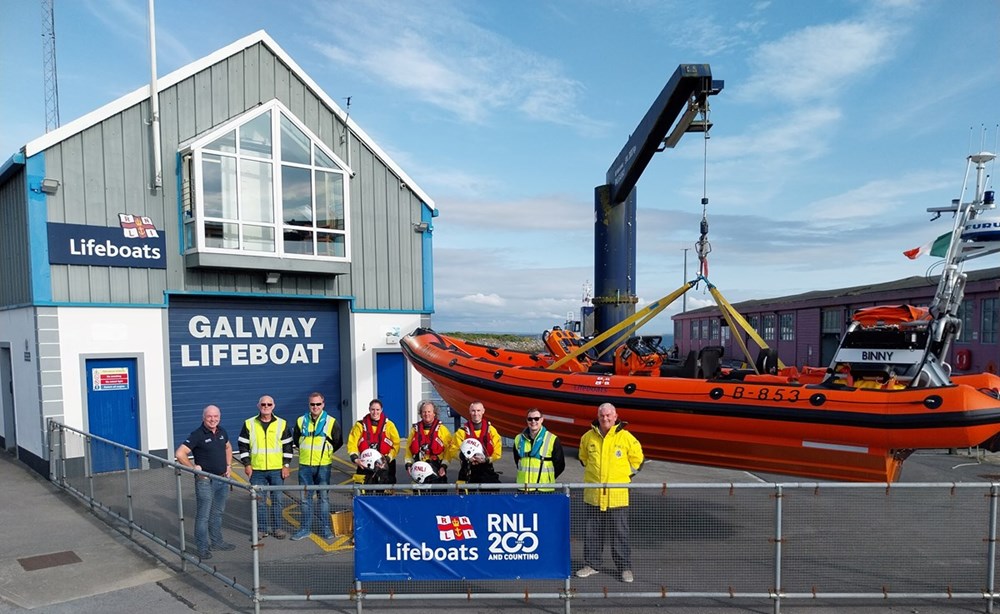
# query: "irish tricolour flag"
938,248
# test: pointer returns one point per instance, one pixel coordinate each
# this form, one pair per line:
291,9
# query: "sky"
840,123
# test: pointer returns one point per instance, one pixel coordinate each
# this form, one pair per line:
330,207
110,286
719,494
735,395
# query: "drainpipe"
154,103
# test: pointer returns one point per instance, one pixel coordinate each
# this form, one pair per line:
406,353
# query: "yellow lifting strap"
627,325
731,316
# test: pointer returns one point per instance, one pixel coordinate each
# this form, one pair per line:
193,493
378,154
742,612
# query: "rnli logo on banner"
136,243
137,227
454,528
491,537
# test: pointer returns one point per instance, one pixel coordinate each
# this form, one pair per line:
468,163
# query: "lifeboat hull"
776,426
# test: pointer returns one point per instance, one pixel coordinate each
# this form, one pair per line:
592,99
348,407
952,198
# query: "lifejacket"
426,446
265,445
534,465
377,440
314,447
484,437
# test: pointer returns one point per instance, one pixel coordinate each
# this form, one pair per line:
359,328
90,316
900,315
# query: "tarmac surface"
58,557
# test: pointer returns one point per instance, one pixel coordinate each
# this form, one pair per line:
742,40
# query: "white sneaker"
585,571
627,576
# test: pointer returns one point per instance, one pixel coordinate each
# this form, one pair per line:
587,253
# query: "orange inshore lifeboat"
806,422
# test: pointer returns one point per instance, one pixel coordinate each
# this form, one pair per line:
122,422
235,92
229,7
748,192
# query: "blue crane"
683,99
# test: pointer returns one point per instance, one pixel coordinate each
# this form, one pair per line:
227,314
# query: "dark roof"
856,293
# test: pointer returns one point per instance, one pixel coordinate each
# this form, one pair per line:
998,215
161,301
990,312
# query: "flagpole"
154,103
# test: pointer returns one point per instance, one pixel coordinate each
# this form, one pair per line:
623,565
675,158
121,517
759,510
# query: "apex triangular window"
264,185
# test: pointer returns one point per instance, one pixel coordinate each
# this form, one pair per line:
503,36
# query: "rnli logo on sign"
513,537
137,227
455,528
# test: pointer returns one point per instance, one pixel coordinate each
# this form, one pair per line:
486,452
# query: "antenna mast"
49,65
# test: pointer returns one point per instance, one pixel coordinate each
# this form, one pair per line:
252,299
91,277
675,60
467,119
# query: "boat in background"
887,392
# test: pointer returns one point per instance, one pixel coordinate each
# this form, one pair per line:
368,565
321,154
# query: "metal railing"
733,543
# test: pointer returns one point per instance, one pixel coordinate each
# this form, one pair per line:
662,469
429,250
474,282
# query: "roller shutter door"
229,352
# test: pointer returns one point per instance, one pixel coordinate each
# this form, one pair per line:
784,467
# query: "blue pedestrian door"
113,411
390,387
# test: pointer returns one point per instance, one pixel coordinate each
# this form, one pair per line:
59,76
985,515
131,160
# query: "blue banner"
127,246
461,537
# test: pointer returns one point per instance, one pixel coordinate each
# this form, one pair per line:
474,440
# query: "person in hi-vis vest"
317,436
538,454
265,444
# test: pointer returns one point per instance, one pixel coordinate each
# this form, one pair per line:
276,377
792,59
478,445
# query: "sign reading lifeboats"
136,243
115,378
456,537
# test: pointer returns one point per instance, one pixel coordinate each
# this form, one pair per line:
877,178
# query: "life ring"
963,360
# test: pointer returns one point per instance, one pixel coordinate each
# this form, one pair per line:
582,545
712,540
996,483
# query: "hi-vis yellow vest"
314,447
535,468
265,446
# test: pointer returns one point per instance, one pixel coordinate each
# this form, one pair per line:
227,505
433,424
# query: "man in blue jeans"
317,436
213,453
265,444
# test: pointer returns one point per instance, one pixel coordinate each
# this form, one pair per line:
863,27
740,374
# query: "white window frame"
193,154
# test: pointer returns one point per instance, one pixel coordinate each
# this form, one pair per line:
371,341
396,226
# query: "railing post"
180,517
50,424
255,546
358,589
128,492
991,550
88,467
62,455
778,496
568,585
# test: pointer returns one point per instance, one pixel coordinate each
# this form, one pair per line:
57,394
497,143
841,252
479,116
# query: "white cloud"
817,62
438,55
493,300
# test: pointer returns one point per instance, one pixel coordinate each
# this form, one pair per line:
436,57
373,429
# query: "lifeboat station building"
806,329
252,240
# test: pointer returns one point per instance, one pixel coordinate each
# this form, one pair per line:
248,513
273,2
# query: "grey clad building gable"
200,301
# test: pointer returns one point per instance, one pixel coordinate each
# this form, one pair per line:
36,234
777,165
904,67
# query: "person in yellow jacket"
317,436
374,432
265,444
479,469
428,441
609,455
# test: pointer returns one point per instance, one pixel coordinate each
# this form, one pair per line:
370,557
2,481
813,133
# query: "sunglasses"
534,418
267,404
315,404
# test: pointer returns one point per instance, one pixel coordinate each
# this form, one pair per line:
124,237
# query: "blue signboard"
456,537
136,244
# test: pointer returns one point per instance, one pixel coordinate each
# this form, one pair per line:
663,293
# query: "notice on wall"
115,378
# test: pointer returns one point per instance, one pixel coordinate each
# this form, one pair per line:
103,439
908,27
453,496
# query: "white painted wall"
112,332
379,331
17,328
